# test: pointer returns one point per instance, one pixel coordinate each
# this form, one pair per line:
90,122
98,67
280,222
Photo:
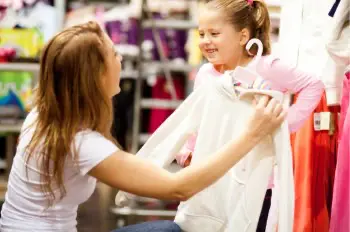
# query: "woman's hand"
267,117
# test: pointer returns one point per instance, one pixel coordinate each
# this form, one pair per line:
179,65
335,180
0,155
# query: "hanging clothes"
232,203
161,91
305,32
314,154
341,196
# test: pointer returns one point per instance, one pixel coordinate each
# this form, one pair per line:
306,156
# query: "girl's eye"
215,34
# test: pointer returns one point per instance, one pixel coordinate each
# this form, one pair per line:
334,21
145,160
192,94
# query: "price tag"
322,121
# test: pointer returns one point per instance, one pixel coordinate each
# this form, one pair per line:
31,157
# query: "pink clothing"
281,77
341,194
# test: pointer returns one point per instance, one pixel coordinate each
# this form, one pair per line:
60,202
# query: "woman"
66,146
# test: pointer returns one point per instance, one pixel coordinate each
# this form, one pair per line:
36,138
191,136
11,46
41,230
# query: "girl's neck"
244,61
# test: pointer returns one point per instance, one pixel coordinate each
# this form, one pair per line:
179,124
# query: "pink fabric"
282,77
341,195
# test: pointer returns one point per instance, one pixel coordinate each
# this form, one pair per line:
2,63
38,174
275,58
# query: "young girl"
225,27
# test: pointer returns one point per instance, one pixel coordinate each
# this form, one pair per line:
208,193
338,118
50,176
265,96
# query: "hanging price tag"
322,121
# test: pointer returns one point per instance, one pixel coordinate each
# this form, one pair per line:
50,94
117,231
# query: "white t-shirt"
25,207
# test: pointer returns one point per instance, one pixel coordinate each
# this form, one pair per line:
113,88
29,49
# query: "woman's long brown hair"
70,98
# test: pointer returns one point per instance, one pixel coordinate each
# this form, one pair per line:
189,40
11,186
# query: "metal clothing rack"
165,66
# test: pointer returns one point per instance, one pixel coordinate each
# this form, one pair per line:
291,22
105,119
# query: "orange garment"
314,157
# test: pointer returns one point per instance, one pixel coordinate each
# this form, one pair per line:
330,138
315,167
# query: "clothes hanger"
247,75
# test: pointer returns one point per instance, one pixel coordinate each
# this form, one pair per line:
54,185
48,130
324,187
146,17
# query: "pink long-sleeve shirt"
279,76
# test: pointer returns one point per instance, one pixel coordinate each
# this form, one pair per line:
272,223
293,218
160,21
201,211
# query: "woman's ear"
244,37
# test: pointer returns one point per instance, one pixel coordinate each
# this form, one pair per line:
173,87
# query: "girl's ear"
244,37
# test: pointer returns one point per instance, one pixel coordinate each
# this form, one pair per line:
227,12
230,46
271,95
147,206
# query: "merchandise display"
176,105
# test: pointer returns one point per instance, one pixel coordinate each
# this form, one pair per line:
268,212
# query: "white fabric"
24,207
234,202
305,31
42,16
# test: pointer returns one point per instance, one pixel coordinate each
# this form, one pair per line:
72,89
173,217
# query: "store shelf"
30,67
169,24
143,212
160,103
3,164
132,74
11,128
156,67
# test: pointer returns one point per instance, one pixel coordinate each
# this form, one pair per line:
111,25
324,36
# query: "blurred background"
158,40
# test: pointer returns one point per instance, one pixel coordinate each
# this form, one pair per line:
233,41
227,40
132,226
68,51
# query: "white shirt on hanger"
234,202
305,31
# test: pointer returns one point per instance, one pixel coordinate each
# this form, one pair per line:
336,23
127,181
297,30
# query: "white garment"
41,16
234,202
305,31
24,207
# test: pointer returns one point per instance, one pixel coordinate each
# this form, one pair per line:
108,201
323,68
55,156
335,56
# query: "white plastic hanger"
248,75
250,43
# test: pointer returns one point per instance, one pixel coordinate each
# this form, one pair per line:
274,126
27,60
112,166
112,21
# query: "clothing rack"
165,66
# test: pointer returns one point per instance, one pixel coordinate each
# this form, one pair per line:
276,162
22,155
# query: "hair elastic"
250,2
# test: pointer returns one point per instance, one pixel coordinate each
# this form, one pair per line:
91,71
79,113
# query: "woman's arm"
134,175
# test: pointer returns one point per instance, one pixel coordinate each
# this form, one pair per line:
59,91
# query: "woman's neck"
243,61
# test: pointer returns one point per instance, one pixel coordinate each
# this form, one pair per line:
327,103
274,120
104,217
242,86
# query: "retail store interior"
158,40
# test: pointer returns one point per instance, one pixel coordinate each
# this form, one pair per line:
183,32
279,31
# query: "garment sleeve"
92,148
167,140
285,180
309,88
190,144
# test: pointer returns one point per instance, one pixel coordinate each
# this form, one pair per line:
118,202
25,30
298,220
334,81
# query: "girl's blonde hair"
252,15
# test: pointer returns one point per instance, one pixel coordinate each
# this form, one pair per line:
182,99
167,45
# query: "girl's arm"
309,88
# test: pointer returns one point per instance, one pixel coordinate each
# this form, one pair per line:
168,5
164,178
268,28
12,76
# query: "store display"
27,42
314,150
314,39
161,91
15,93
